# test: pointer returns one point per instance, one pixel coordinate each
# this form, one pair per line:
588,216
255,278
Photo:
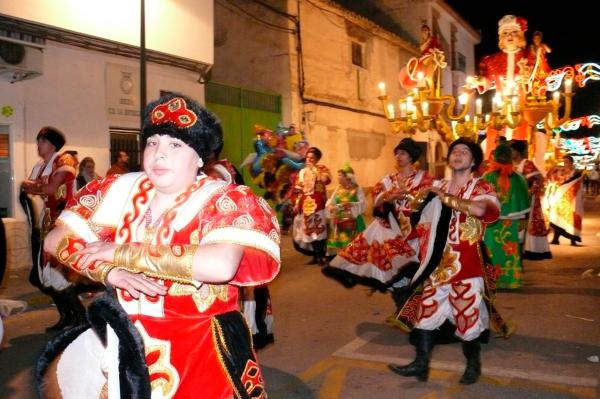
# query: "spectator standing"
121,166
87,172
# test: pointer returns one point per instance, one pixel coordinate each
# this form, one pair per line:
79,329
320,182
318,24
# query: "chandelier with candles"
527,91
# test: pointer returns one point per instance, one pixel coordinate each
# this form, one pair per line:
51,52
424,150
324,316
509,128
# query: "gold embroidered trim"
471,230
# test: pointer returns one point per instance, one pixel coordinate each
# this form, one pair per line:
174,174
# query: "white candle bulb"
568,85
420,79
478,105
381,87
391,112
425,108
515,104
403,110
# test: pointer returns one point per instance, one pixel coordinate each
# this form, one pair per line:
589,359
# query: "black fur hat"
411,147
53,135
315,151
476,151
183,118
519,146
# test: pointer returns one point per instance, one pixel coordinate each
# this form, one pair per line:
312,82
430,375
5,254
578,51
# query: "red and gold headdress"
184,119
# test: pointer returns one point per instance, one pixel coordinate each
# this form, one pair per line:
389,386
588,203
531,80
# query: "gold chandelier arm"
513,119
452,105
567,111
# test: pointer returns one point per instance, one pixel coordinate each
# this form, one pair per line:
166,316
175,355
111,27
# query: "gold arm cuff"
165,262
67,252
460,204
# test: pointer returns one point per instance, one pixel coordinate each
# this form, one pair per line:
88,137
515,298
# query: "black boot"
322,253
71,310
420,366
555,238
313,261
61,305
77,312
471,350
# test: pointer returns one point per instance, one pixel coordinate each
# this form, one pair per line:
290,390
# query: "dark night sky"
571,29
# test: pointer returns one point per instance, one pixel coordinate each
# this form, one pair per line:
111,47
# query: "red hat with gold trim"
185,119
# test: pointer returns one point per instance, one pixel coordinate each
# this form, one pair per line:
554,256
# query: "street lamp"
142,59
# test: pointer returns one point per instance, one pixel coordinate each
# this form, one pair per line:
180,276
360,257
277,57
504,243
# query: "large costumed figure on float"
506,71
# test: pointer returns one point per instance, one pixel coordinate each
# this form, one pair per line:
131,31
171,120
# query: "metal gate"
239,110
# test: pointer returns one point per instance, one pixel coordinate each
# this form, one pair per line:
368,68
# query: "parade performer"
310,229
344,210
536,245
564,201
176,245
506,71
382,255
502,238
44,195
450,283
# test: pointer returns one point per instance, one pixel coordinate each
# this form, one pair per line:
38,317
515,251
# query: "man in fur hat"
53,179
450,281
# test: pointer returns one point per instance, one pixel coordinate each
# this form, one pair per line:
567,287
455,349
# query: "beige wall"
71,95
340,112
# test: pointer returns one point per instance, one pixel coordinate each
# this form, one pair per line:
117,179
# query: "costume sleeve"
381,187
520,203
66,163
330,202
426,182
80,209
358,208
237,216
325,171
484,191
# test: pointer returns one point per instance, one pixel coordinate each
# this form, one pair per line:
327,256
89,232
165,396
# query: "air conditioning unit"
19,62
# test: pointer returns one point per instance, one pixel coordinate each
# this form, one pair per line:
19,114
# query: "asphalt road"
332,342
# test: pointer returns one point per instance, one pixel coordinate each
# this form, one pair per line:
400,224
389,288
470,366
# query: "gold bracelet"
67,252
165,262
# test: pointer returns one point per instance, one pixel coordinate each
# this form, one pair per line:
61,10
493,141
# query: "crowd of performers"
186,251
443,247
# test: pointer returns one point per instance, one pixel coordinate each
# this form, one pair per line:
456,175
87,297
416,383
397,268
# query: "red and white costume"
179,331
380,252
536,235
564,201
43,172
454,289
310,223
53,204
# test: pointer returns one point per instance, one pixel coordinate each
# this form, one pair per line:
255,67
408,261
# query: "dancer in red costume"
451,276
52,181
176,245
